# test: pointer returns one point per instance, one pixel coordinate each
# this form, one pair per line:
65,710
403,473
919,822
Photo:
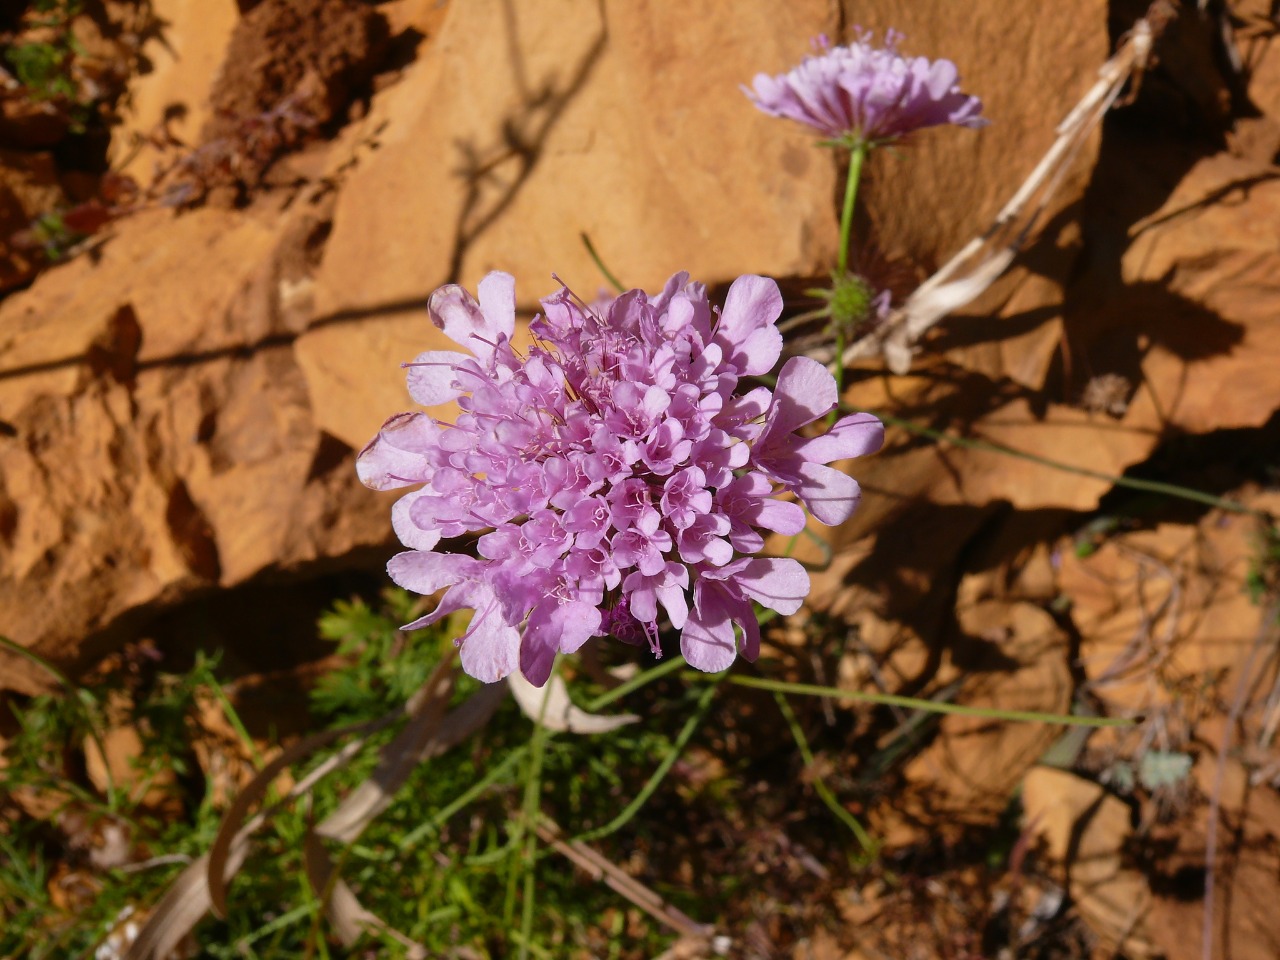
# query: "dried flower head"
615,472
860,94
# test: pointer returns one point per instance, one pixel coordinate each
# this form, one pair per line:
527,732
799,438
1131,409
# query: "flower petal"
431,377
748,330
806,390
425,573
554,627
411,535
707,641
830,495
491,647
395,457
778,583
476,325
780,516
853,436
498,304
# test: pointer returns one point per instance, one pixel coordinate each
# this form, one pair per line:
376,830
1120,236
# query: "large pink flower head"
616,473
860,94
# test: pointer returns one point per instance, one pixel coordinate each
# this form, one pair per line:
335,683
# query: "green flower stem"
526,858
934,706
635,683
856,156
1133,483
677,748
859,832
595,257
432,826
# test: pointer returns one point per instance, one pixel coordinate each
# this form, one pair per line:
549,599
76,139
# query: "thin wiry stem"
608,274
859,832
635,683
677,748
1264,639
527,851
934,706
1133,483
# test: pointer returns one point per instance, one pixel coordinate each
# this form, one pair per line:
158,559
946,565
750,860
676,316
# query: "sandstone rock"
1068,455
1164,613
1257,138
1245,922
158,436
1085,831
176,91
1210,356
1014,658
180,410
671,168
279,45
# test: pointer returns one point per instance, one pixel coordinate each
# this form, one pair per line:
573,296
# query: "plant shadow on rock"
520,139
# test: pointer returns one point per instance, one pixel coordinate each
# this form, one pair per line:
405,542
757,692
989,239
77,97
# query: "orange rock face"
180,410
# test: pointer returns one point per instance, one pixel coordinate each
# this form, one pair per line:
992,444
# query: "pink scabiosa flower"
861,94
618,473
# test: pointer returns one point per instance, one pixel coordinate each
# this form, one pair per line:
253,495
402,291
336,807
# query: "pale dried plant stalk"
981,261
598,867
550,707
201,888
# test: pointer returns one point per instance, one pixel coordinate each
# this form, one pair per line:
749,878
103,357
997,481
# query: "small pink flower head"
860,94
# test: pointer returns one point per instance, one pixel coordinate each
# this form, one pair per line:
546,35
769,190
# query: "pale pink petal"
744,409
431,377
853,436
830,495
778,583
748,330
498,304
477,325
671,596
805,391
780,516
707,641
581,623
490,648
394,458
717,552
425,573
411,535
